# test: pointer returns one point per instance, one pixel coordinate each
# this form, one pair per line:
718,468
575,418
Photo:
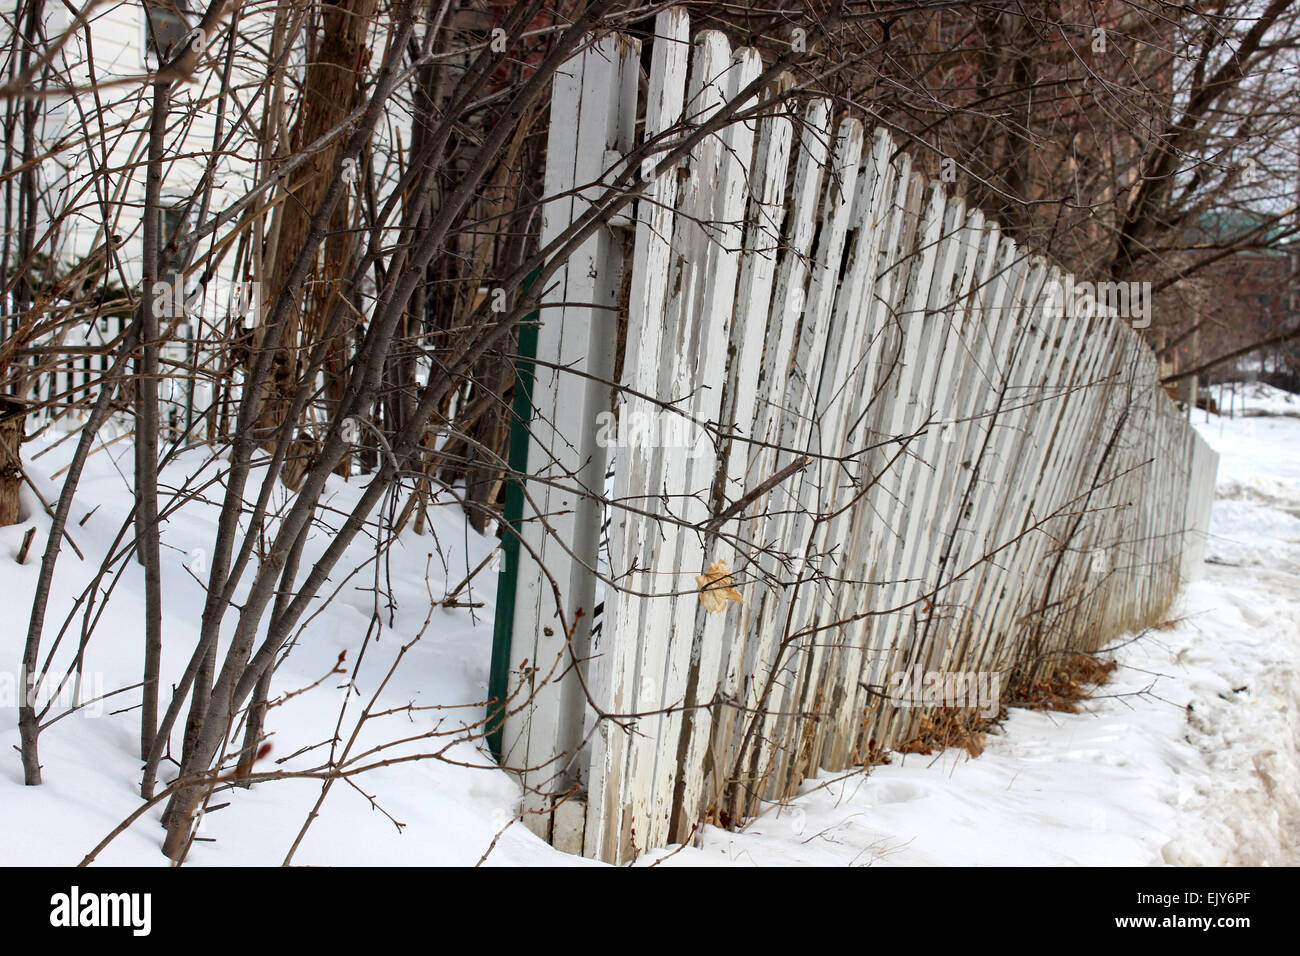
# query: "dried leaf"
717,587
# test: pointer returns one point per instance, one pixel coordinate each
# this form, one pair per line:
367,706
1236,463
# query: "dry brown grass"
1072,681
946,727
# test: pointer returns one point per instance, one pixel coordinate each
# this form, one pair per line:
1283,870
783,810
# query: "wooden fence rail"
975,476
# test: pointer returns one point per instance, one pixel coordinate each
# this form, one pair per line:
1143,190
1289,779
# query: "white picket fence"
991,481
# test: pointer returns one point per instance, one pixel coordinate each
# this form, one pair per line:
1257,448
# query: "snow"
450,807
1254,398
1187,756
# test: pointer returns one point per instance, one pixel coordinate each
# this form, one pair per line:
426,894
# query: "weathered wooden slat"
855,384
665,655
983,339
639,462
787,309
562,513
898,217
812,425
915,472
837,415
1015,277
539,715
910,369
940,471
754,298
703,629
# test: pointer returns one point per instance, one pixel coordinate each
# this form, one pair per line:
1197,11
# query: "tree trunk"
147,424
13,414
330,92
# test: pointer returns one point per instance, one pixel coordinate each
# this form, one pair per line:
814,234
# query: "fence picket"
563,516
635,484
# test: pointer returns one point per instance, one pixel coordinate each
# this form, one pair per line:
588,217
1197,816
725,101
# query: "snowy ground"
449,808
1189,755
1254,398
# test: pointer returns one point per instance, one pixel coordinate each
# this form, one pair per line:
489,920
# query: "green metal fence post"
521,413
